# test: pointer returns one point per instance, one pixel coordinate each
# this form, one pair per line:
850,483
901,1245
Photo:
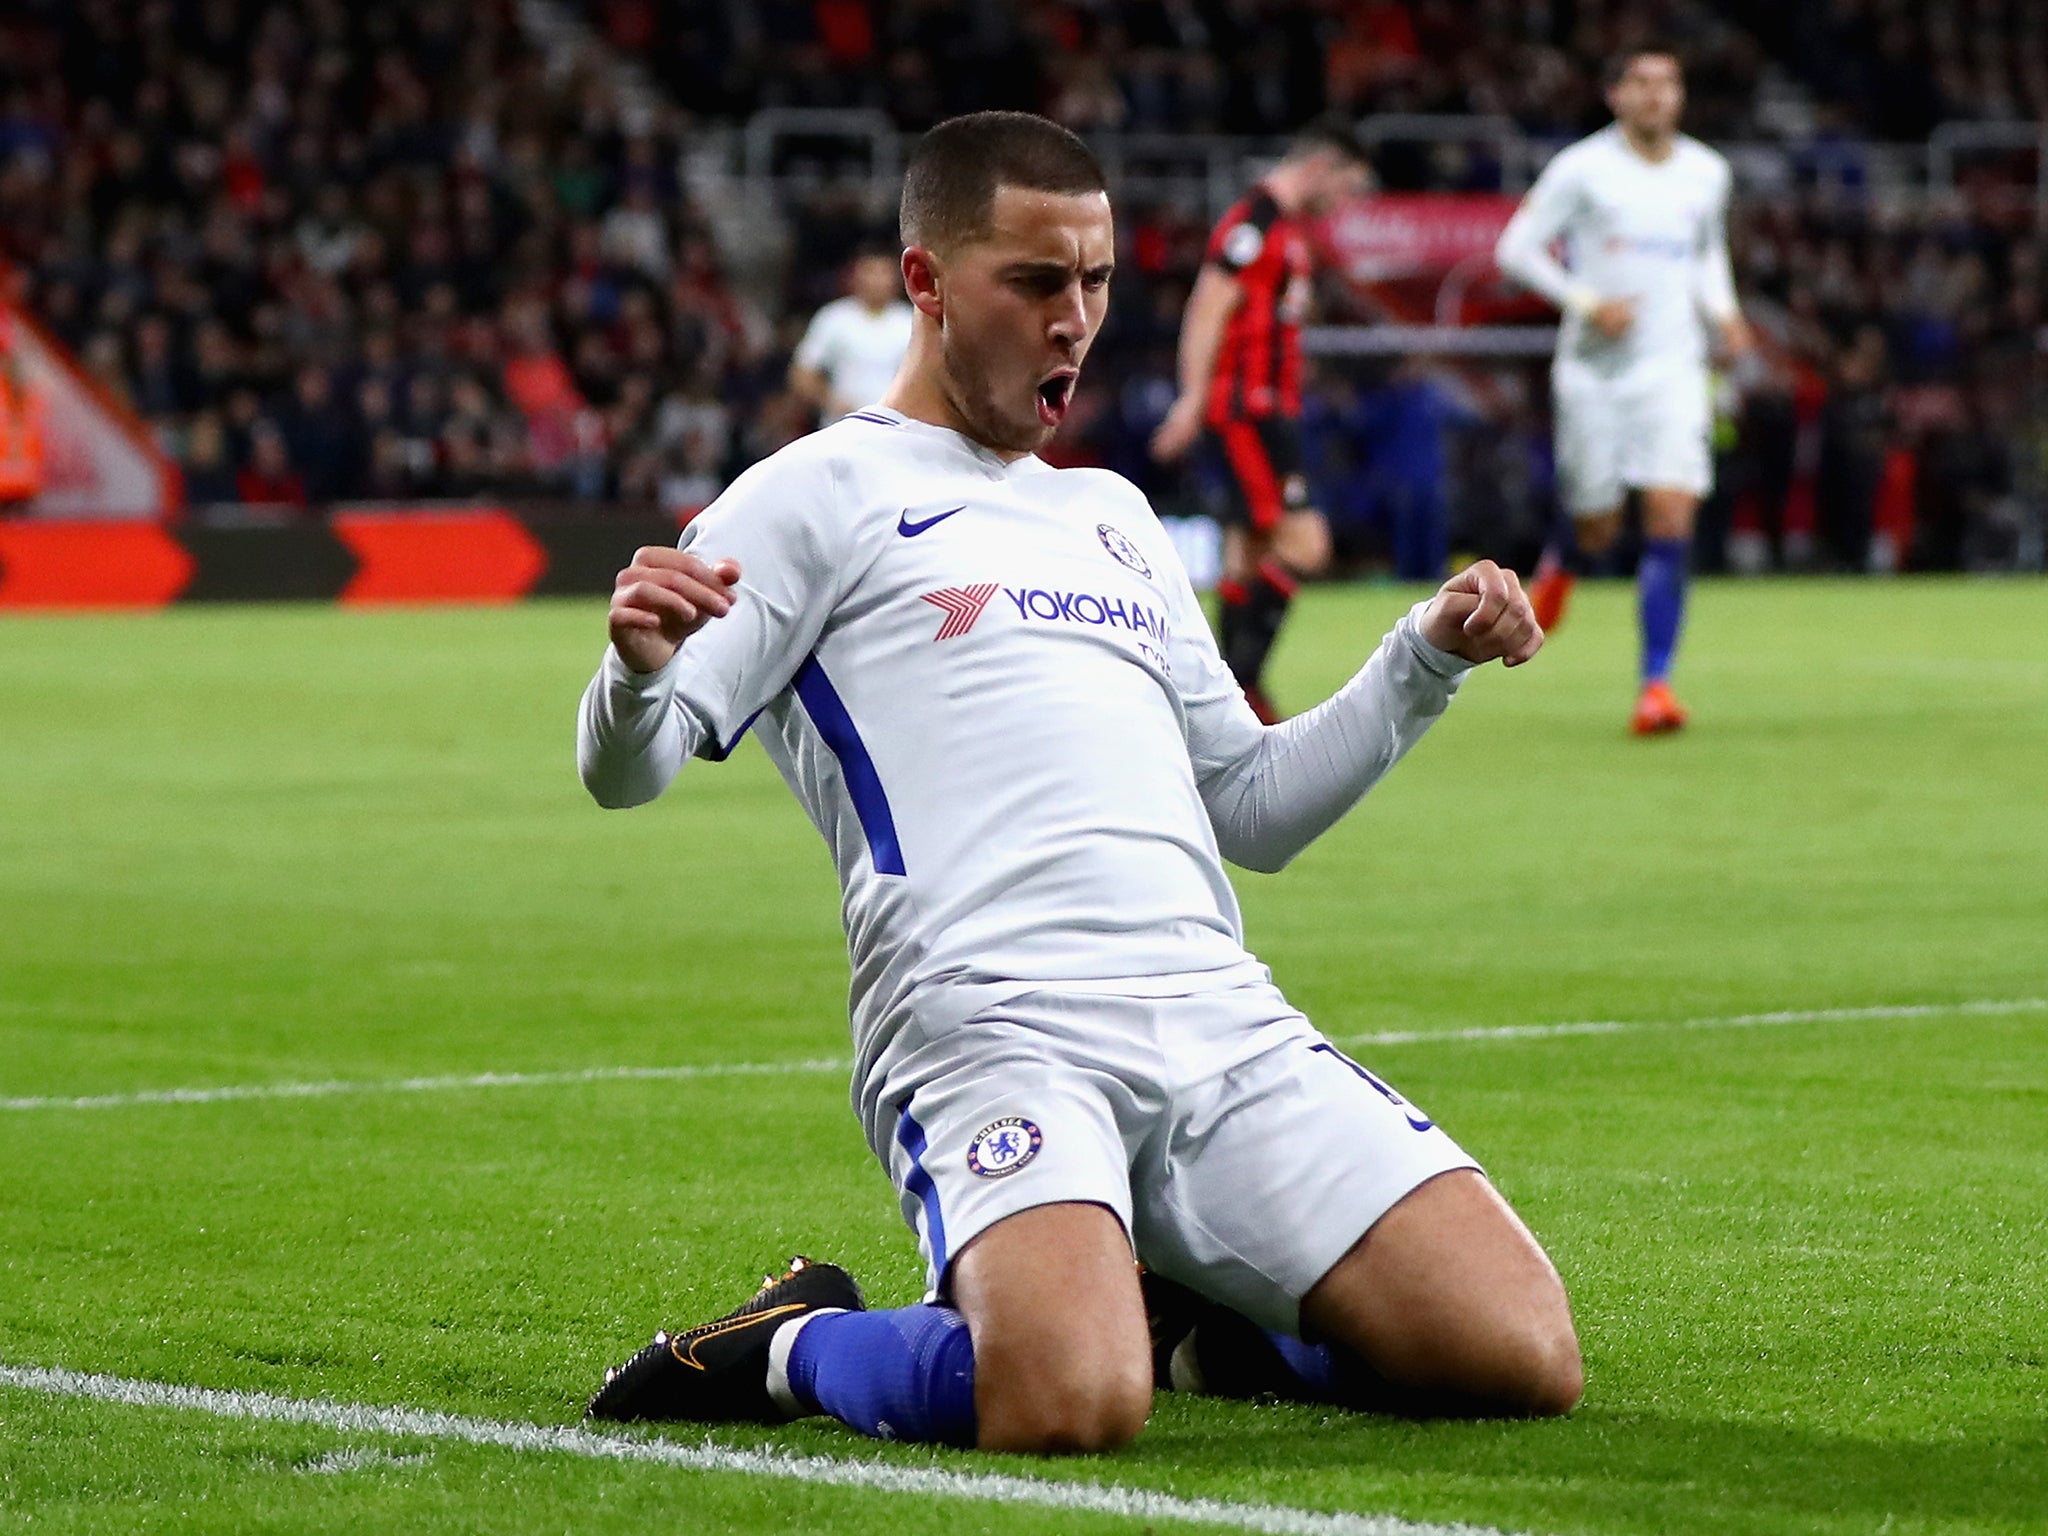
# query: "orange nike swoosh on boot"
689,1356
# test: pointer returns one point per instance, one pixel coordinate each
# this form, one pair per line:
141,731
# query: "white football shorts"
1243,1153
1648,427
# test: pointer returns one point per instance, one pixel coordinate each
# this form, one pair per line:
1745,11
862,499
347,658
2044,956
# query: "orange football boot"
1657,710
1550,592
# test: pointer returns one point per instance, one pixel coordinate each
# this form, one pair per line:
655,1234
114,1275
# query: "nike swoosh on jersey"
911,530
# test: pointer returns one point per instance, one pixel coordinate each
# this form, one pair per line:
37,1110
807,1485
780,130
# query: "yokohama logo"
963,606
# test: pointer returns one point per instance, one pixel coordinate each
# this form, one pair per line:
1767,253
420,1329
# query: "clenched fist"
664,597
1482,613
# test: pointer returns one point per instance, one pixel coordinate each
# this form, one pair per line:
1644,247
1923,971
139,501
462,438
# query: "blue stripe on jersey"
880,421
714,753
822,703
910,1136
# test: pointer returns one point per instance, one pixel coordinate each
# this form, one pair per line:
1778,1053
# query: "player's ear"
921,272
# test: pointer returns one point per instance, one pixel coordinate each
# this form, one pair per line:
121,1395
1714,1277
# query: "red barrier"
478,556
90,565
366,555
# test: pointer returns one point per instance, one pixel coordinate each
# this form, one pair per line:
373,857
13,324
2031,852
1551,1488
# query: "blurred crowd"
1894,69
1901,421
336,249
351,249
1256,67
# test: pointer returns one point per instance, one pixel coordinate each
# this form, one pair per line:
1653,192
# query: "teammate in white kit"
990,684
853,346
1642,211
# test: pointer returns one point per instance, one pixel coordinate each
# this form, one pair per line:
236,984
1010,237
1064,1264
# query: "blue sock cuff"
802,1366
902,1374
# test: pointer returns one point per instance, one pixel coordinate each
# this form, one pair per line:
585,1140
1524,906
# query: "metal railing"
1213,169
768,131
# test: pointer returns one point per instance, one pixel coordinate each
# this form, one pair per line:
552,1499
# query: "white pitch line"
323,1090
1716,1021
339,1086
708,1456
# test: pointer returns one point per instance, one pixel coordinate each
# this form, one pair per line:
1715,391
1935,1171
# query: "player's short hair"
949,187
1619,61
1330,135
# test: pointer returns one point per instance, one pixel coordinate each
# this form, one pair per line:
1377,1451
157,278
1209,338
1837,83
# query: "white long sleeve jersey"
991,686
1651,231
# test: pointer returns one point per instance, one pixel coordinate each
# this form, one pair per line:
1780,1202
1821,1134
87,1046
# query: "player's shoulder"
877,458
1583,154
856,442
816,490
798,475
1703,158
833,313
834,462
1240,236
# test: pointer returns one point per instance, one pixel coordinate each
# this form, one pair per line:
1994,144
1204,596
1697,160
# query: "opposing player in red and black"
1240,376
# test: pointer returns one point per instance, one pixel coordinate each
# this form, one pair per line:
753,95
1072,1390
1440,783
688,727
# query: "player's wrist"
1414,628
622,667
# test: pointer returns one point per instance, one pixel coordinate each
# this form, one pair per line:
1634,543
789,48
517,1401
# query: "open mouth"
1055,394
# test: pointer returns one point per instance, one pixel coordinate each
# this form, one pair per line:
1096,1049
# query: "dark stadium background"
553,256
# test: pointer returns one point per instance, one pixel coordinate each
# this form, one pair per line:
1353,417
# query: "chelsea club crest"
1003,1146
1121,548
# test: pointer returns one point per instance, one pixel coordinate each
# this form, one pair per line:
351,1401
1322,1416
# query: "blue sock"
1660,602
1313,1365
903,1374
1325,1374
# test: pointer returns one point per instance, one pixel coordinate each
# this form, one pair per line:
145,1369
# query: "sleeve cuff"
616,671
1442,663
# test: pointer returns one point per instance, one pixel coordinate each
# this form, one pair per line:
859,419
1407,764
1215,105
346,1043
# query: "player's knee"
1303,542
1596,532
1090,1421
1063,1408
1548,1373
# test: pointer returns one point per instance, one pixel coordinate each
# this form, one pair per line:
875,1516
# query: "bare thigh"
1451,1297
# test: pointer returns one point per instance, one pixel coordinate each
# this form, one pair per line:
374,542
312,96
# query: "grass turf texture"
247,846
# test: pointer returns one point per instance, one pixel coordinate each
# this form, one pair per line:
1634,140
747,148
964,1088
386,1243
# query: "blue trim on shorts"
827,710
910,1137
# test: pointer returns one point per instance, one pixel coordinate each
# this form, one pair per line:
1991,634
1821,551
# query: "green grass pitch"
1809,1258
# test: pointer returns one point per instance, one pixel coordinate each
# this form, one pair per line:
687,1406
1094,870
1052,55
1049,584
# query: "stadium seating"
368,250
